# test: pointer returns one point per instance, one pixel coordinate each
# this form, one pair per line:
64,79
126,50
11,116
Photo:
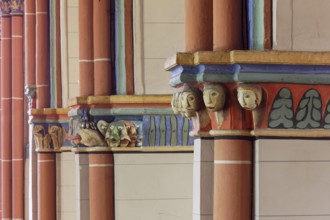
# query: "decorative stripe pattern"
166,130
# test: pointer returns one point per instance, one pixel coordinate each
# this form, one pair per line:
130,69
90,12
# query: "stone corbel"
189,103
249,98
214,97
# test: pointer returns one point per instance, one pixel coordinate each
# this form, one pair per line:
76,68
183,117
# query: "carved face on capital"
190,102
175,103
214,97
249,97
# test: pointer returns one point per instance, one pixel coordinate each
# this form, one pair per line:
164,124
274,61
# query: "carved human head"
175,103
214,97
190,101
249,96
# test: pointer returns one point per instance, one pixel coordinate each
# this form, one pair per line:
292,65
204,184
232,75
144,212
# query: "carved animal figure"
88,137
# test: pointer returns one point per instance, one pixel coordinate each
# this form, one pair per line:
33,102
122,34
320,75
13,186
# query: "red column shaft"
42,53
30,80
6,97
46,162
18,116
0,126
232,179
101,41
30,42
101,186
227,25
198,25
86,58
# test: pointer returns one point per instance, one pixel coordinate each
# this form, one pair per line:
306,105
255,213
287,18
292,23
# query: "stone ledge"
248,57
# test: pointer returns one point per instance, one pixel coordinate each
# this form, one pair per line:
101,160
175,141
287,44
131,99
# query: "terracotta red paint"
198,25
227,29
101,193
6,142
86,77
18,117
232,182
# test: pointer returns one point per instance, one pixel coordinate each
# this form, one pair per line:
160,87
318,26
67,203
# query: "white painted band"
86,61
102,59
6,98
100,165
16,36
38,86
42,13
232,162
18,98
29,13
18,159
5,160
45,161
6,38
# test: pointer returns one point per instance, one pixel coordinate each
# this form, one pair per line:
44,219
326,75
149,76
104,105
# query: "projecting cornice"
253,93
249,67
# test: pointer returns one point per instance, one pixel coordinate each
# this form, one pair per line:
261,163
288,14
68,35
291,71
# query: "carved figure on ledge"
88,137
48,140
191,101
118,133
214,97
249,96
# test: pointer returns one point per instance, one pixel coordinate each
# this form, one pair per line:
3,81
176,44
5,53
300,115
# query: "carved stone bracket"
253,93
148,123
50,130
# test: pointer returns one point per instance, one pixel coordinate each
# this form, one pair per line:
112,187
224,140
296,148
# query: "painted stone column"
102,41
30,87
86,59
18,111
232,179
227,25
198,25
46,161
101,193
6,104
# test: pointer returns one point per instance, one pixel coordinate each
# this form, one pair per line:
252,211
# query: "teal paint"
185,132
173,131
152,132
258,25
162,128
120,47
131,111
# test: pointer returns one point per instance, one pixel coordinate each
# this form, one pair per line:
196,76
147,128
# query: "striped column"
30,83
46,161
232,179
227,25
86,59
101,186
198,25
102,41
6,120
18,113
